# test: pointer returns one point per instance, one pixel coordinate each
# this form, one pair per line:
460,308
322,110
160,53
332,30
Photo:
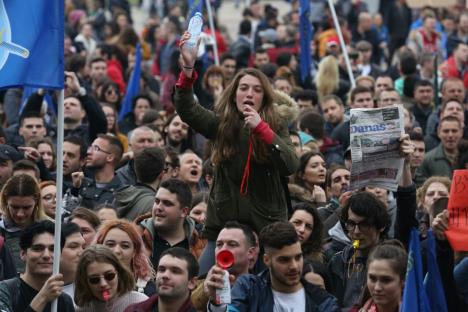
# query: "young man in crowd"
333,112
170,224
132,201
37,287
423,102
72,245
74,158
281,287
417,157
176,277
451,107
360,97
442,160
102,158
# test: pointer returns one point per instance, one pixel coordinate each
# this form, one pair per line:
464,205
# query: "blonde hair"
327,79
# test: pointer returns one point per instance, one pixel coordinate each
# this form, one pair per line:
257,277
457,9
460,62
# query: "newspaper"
375,141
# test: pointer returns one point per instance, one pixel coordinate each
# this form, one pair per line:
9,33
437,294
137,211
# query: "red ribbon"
244,187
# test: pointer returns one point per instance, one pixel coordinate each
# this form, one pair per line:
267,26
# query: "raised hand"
406,147
188,54
251,117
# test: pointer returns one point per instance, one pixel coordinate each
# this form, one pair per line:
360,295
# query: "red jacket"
449,69
114,71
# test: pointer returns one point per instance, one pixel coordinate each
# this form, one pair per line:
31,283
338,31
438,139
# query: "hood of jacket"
189,227
127,197
286,106
8,226
300,193
337,233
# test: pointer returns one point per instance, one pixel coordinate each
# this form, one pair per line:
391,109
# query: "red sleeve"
185,82
265,133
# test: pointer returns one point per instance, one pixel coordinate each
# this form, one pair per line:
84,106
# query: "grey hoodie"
133,201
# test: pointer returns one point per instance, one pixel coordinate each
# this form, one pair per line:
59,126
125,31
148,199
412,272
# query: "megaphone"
225,259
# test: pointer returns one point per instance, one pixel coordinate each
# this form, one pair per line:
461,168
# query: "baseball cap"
9,153
305,138
333,41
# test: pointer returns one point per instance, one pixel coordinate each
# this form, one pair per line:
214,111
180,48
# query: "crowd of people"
247,156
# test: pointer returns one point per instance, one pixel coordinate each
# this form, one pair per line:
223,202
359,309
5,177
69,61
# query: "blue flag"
433,282
414,295
31,43
194,7
305,29
133,87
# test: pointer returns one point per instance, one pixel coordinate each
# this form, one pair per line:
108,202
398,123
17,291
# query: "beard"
95,166
69,120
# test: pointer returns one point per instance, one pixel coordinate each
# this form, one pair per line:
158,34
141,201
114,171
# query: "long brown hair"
230,121
25,186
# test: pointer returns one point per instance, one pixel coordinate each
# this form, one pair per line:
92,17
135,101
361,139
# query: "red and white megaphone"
224,259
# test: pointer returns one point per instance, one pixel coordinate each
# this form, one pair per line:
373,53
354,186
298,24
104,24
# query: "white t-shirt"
294,302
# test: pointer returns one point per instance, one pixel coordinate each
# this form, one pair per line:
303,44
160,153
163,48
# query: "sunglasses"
108,276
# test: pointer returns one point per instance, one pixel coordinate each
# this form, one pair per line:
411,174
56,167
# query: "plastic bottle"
194,28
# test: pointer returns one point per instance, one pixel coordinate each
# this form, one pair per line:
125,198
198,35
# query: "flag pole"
210,20
342,43
59,182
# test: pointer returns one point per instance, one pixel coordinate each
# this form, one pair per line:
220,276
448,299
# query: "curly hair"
141,265
421,192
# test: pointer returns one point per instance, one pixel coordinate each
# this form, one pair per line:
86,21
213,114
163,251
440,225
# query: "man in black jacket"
37,287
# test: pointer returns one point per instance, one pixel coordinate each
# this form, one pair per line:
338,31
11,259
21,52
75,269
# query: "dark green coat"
265,202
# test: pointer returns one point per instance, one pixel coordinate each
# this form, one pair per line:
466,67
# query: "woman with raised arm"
251,149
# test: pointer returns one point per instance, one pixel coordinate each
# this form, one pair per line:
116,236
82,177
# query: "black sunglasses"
108,276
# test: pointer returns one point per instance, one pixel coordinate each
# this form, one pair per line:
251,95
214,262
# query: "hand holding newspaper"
375,140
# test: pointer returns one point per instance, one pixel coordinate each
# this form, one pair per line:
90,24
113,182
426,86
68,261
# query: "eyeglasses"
108,276
96,148
111,91
363,226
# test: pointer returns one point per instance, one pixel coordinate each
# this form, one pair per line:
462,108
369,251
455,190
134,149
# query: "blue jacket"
253,293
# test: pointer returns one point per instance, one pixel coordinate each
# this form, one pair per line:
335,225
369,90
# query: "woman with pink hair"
122,237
